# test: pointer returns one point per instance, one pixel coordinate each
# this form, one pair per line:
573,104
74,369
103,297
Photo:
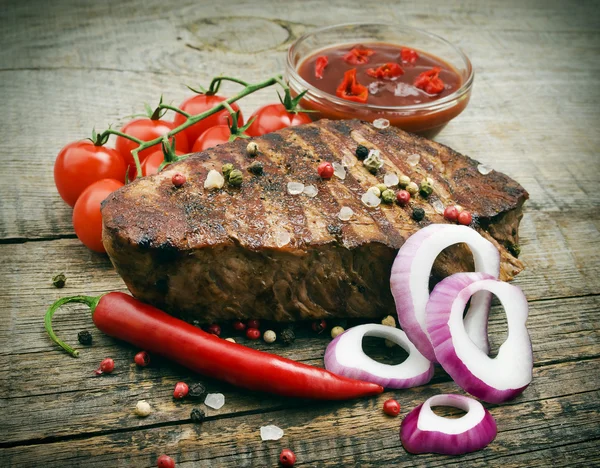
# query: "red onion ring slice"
345,356
494,380
423,431
410,281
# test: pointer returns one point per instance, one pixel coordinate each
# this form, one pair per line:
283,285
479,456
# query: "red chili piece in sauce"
387,71
408,56
320,65
359,55
350,89
430,82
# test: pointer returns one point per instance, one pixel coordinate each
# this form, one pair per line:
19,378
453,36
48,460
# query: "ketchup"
394,76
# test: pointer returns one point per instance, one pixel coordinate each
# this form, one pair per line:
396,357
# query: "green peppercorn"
252,148
426,187
256,168
403,181
362,152
388,196
197,416
287,336
382,187
84,337
235,178
226,169
59,280
412,188
418,214
196,390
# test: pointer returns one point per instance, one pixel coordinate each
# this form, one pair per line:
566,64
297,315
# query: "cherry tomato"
145,130
152,163
214,136
80,164
275,117
201,103
87,219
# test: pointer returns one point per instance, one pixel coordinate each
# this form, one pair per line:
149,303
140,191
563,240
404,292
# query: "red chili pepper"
358,55
429,81
350,89
387,71
125,318
320,65
408,56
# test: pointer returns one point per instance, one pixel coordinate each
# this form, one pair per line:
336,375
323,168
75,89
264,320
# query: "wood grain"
68,66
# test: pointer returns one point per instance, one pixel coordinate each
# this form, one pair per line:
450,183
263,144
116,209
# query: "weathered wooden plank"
325,434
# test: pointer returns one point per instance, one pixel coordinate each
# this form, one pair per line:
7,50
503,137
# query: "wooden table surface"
69,66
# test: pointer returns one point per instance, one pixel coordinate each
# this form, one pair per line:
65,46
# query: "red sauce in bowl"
392,90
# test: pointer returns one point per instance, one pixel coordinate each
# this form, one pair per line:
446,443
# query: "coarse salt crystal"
214,180
271,432
483,169
310,191
349,160
404,90
339,170
413,159
215,400
381,123
345,213
376,86
282,238
438,206
295,188
391,180
371,200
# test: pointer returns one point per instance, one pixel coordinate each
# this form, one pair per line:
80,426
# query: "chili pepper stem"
91,301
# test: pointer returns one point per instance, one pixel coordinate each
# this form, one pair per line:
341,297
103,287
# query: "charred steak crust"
257,251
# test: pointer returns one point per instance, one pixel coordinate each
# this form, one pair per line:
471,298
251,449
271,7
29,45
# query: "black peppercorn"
59,280
196,390
287,336
197,415
85,337
418,214
362,152
256,168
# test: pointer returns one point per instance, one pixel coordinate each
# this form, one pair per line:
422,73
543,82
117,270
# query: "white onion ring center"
349,355
429,421
514,353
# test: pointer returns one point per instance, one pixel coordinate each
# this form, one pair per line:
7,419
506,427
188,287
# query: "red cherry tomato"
80,164
212,137
201,103
87,220
152,163
274,117
145,130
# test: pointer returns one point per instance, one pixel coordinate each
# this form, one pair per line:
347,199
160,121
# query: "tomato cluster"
87,171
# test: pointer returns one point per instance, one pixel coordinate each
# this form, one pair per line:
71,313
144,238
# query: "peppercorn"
230,339
253,333
165,461
178,180
214,329
403,181
373,162
226,169
142,358
253,323
388,196
336,331
375,190
59,280
389,321
418,214
391,407
287,458
252,149
451,213
269,336
362,152
256,168
181,390
287,336
426,187
412,188
197,416
106,367
382,187
142,409
319,326
84,337
403,197
465,218
325,170
196,390
235,178
238,325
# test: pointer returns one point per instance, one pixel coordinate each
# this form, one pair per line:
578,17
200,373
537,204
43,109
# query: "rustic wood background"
69,66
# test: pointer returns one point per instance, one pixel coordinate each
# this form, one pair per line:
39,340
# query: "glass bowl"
426,119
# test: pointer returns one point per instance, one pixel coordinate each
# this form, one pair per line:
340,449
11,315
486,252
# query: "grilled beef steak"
258,251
